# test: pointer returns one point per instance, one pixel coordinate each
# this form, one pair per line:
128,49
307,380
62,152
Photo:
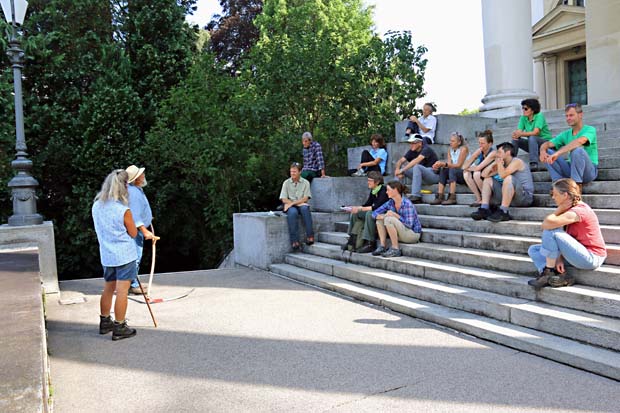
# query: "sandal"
310,240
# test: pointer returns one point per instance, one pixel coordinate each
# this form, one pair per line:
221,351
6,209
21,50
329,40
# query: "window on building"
577,81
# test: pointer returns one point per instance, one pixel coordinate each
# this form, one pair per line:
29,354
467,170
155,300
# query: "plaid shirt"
313,157
407,213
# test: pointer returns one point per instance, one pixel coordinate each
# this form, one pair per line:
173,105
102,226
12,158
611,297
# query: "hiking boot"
438,199
379,250
106,324
135,290
450,201
368,246
392,252
350,245
481,213
534,166
122,330
543,278
416,199
561,280
499,216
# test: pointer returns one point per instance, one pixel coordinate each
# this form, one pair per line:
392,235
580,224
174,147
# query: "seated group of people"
572,233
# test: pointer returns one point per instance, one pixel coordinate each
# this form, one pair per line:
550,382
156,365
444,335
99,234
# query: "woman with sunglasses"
450,170
532,131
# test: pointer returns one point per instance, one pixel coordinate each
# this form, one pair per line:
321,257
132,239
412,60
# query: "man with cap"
142,215
417,164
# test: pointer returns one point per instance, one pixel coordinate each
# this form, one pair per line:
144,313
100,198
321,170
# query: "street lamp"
23,185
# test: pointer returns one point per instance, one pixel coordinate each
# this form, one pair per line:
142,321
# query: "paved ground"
249,341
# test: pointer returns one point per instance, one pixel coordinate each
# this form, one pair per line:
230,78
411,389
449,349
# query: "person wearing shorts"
116,231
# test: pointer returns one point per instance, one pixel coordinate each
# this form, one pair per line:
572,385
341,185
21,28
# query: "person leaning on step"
450,171
571,234
476,163
294,195
397,219
115,229
362,226
426,124
579,142
532,131
375,159
516,187
142,215
418,165
314,164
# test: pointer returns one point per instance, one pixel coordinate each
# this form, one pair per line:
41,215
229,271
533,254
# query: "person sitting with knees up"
476,163
398,219
115,232
450,170
362,227
570,234
532,131
516,187
426,124
314,164
294,195
375,159
418,165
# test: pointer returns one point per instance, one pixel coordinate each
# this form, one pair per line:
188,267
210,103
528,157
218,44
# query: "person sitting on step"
418,165
532,131
571,233
426,124
314,164
579,142
398,219
294,195
476,163
516,188
362,227
450,170
374,159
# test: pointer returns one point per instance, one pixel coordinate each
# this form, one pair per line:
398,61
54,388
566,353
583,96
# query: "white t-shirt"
429,122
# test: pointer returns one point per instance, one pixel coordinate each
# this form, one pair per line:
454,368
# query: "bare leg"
487,190
508,191
381,231
120,306
452,187
471,184
105,303
393,236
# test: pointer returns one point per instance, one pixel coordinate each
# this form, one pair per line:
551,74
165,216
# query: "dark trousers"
367,157
309,175
529,144
291,216
448,175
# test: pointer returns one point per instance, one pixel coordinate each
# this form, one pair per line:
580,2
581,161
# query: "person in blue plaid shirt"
398,219
314,165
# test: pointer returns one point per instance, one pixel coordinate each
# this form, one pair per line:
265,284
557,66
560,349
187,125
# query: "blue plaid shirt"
313,157
407,213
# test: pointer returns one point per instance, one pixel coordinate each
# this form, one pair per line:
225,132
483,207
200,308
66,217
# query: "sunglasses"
525,108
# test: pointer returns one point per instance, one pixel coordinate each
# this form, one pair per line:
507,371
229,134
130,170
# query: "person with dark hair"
314,164
375,159
571,233
362,227
115,230
450,171
516,187
532,131
579,142
427,124
476,163
418,165
294,195
398,219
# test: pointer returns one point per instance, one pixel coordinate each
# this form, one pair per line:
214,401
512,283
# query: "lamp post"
23,185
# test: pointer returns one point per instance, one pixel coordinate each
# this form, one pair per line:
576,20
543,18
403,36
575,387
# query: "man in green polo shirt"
579,142
532,131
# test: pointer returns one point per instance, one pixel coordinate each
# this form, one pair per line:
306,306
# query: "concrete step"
592,188
594,359
603,175
577,325
479,250
611,233
604,201
585,298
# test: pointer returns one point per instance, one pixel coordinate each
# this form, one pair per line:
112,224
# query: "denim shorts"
125,272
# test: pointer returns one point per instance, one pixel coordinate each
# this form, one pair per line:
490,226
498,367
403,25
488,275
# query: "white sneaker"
359,172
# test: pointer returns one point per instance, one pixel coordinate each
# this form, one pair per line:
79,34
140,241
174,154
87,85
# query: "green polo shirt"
295,190
588,132
538,121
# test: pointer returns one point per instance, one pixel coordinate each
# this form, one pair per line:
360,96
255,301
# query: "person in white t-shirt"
427,123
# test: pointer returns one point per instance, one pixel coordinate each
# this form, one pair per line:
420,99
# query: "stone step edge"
573,324
599,361
594,300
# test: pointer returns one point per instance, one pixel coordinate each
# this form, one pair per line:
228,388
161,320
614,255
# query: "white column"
539,81
551,81
603,51
507,32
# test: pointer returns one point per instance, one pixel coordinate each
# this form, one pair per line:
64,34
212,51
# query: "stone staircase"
472,276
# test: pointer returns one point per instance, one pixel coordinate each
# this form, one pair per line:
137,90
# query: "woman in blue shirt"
115,232
375,159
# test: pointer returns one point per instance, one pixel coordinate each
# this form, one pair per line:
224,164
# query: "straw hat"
134,173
